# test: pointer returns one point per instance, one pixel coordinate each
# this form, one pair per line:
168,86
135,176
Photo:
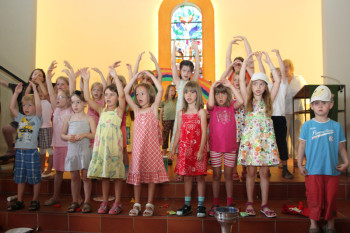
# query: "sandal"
103,208
86,208
265,209
211,212
73,207
16,206
34,206
235,176
116,209
250,211
135,211
149,210
51,201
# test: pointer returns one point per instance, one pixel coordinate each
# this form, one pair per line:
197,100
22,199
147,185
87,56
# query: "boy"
27,162
322,139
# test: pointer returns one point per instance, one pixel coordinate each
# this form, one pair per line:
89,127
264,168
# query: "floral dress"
189,144
258,143
107,155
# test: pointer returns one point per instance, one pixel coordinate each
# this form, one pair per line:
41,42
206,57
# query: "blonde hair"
28,98
222,89
64,79
122,80
193,86
266,97
96,84
288,62
150,91
167,93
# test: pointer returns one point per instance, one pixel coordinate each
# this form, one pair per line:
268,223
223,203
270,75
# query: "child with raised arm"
191,137
258,143
61,107
27,162
222,135
107,155
146,164
186,69
77,130
321,140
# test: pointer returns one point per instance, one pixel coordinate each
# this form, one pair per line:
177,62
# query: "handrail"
11,74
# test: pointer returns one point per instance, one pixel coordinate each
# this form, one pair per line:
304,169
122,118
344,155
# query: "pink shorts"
321,194
123,128
229,158
59,158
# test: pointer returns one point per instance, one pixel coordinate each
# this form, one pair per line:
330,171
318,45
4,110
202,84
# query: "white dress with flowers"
258,143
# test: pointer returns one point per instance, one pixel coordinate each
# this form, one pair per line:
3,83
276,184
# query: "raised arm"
235,92
71,76
229,51
229,70
43,89
120,89
258,56
176,78
242,83
284,78
248,49
197,63
103,80
159,95
85,74
127,90
276,77
211,99
50,89
36,100
137,64
18,90
159,72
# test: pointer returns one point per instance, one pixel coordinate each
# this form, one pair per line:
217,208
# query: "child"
321,139
191,136
77,130
147,164
258,144
167,115
186,69
27,162
61,106
222,135
107,155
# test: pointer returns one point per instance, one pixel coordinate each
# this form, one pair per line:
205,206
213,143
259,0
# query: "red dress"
147,164
189,144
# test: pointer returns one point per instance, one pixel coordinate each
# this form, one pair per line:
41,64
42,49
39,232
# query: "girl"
258,147
167,115
77,130
147,164
222,134
61,106
191,137
107,154
186,69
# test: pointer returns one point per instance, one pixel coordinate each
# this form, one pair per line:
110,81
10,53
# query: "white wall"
17,46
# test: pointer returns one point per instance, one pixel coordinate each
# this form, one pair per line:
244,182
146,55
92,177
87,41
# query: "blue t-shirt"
322,146
27,131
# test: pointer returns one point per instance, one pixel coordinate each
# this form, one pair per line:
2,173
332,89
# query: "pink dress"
189,144
147,164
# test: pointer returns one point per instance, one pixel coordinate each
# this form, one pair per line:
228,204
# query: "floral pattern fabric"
258,143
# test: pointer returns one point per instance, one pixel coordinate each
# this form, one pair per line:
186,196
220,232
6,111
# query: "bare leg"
57,185
125,157
137,193
264,184
313,224
105,189
36,191
216,181
228,180
20,191
87,185
75,185
49,164
188,185
118,189
250,182
151,190
200,186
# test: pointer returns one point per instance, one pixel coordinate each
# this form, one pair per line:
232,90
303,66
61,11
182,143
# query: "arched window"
186,24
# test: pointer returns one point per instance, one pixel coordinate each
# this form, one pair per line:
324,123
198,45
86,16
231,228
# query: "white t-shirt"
294,86
279,103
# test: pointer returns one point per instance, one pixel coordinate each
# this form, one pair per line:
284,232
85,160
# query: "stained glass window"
186,24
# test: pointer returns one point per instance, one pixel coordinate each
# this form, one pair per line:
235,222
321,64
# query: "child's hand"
240,37
68,65
172,155
140,56
226,83
267,58
78,73
52,66
19,88
85,74
194,44
78,137
342,167
153,58
97,70
200,156
32,84
112,72
303,171
216,83
161,127
275,51
71,138
128,66
258,55
116,64
234,41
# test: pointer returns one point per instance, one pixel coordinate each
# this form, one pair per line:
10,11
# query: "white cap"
321,93
260,76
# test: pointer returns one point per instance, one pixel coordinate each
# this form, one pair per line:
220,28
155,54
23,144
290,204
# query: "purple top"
222,129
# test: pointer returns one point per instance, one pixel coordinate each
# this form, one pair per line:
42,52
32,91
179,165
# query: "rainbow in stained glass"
186,24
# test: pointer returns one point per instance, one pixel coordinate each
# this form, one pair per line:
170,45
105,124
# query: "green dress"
107,155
